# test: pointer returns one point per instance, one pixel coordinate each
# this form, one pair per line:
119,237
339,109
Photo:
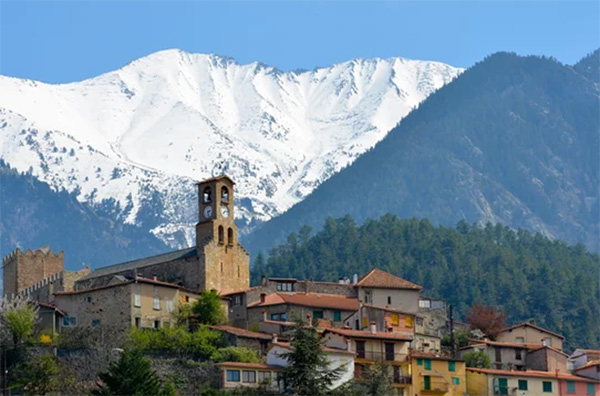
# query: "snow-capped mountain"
134,141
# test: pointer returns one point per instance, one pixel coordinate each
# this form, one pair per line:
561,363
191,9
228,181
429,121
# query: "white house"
335,358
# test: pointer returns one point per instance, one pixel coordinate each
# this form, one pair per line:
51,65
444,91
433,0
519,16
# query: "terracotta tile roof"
589,364
550,348
379,335
381,279
250,365
433,356
49,306
315,300
388,309
525,324
326,349
502,344
532,373
242,332
127,282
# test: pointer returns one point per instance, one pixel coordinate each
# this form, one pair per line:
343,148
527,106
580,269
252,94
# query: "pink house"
577,386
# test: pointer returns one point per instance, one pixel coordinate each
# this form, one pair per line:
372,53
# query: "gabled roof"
378,335
527,324
520,345
140,263
127,282
242,332
533,373
216,178
50,306
589,364
384,280
550,349
316,300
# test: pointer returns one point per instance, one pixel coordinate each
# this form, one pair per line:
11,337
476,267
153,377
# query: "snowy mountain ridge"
133,141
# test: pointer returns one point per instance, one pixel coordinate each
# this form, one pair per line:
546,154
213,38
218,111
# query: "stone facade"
546,359
24,269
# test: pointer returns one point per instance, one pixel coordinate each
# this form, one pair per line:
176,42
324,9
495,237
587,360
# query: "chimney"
341,280
263,280
355,279
349,345
154,277
373,327
531,321
263,297
274,338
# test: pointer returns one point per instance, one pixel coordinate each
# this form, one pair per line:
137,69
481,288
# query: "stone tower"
225,264
21,270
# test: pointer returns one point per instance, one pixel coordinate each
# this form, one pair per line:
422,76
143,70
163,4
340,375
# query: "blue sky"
73,40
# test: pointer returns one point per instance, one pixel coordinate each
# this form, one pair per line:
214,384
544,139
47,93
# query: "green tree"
308,373
132,374
477,359
208,308
377,380
17,319
461,338
39,376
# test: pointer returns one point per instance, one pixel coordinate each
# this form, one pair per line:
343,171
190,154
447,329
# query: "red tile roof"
242,332
533,327
50,306
550,348
502,344
379,335
531,373
315,300
326,349
589,364
433,356
250,365
381,279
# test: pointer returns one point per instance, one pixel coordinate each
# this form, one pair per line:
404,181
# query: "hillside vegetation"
526,275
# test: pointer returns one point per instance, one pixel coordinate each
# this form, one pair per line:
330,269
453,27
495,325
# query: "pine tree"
131,375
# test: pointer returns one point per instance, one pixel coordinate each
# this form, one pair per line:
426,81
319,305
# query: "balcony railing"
435,387
402,380
388,357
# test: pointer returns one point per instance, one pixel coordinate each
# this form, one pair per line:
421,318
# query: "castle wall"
22,270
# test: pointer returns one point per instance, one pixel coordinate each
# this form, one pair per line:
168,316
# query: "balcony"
386,356
435,388
402,380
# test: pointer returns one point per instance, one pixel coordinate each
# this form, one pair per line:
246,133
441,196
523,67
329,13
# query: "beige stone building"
529,333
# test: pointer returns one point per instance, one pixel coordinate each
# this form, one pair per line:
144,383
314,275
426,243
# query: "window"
521,339
264,377
547,386
365,322
89,299
318,314
283,316
230,236
207,195
451,366
221,267
224,194
249,376
157,324
337,316
419,362
570,387
408,321
523,385
221,234
389,351
518,354
368,299
69,321
427,364
233,375
185,299
498,354
395,319
427,382
547,342
360,349
419,321
274,316
455,380
389,300
169,305
137,299
591,388
438,304
285,286
424,303
95,322
502,386
157,303
138,322
237,300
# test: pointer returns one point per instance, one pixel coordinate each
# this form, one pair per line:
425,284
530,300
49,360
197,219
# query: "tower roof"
216,178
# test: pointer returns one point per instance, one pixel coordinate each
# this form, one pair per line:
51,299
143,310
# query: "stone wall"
226,267
22,270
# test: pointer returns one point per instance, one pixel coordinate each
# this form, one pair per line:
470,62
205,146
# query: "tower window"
224,194
207,195
230,236
221,267
221,237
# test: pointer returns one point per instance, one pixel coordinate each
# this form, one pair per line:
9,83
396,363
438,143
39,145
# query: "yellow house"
437,375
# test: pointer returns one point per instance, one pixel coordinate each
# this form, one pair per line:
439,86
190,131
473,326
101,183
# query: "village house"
589,370
529,333
494,382
372,346
252,375
581,357
439,375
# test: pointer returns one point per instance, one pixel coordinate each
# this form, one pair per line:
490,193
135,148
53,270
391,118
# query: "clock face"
208,212
224,211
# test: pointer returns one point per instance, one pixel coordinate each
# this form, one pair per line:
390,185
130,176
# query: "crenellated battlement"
10,256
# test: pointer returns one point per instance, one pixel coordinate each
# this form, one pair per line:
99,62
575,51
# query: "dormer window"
207,195
224,194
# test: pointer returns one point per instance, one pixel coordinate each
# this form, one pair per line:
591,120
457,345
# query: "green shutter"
503,386
455,381
337,316
426,382
591,388
427,364
419,362
570,387
547,385
451,366
522,384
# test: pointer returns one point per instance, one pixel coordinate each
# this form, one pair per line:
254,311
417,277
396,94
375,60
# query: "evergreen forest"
526,275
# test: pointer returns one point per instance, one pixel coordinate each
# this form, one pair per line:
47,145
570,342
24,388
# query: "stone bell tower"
225,263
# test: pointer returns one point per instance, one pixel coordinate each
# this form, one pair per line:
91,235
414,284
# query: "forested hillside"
32,215
527,275
512,140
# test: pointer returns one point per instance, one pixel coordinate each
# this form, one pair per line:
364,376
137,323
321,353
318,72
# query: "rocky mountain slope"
132,142
513,140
